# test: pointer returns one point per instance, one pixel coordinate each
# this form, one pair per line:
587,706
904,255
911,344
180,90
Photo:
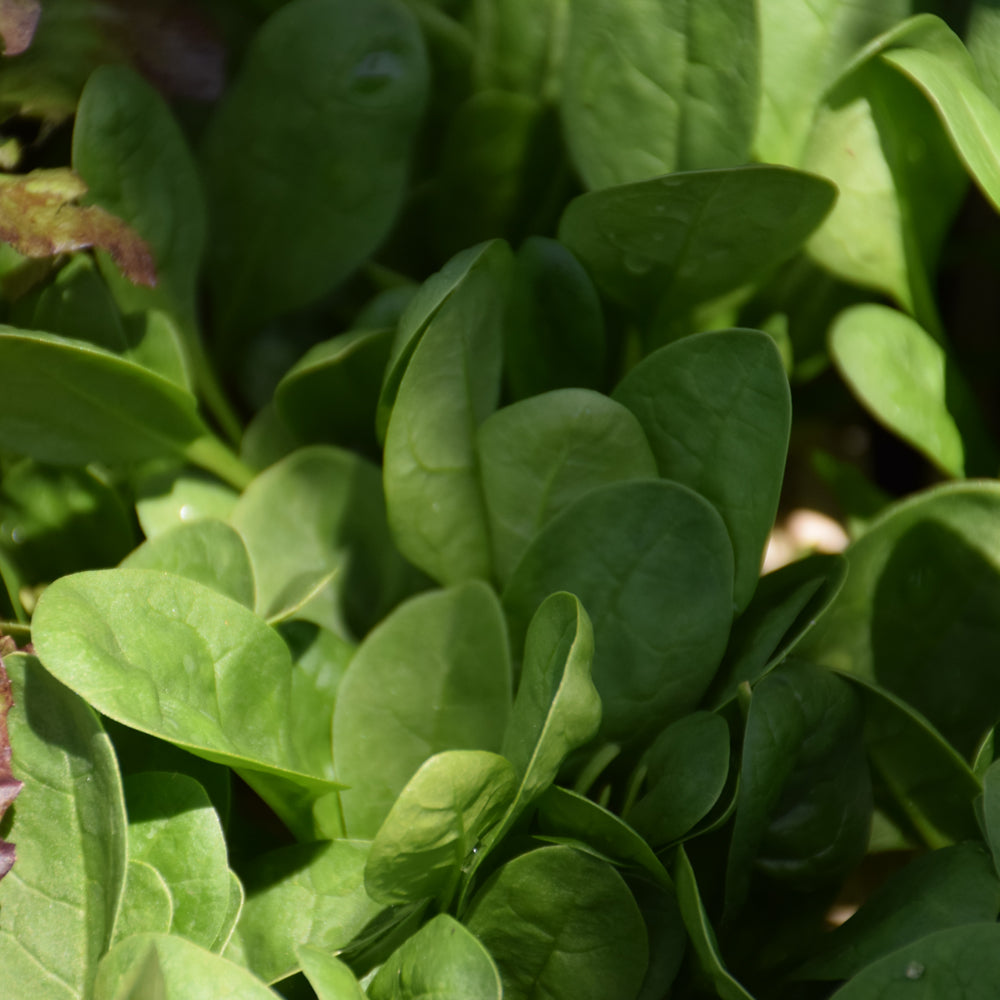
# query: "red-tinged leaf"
38,218
9,785
18,20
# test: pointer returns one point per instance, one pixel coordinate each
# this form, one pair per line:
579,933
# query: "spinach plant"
396,402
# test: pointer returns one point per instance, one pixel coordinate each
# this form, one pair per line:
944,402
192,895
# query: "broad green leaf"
442,960
900,183
147,904
59,520
479,267
803,807
225,691
554,336
165,500
971,118
237,898
982,34
437,825
803,49
452,383
59,901
918,611
206,551
701,932
304,894
315,513
135,160
565,816
330,149
518,44
651,88
686,771
717,411
70,403
328,976
173,828
578,933
330,395
146,981
945,888
434,675
538,455
960,963
908,382
188,972
652,564
991,811
673,239
783,609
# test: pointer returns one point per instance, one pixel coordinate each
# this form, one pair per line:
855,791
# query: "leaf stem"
213,455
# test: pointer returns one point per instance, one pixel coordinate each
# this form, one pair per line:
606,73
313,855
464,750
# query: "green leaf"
960,963
908,382
434,675
330,149
717,410
442,960
70,403
451,384
59,901
686,771
188,971
205,551
303,894
917,615
174,828
328,976
518,44
314,524
991,810
436,826
103,633
135,160
803,807
540,454
165,500
784,607
578,932
147,904
652,564
946,888
803,49
672,239
330,395
650,88
703,939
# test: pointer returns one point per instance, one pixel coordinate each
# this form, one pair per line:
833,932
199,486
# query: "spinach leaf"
434,676
59,902
717,411
147,905
328,976
652,564
180,496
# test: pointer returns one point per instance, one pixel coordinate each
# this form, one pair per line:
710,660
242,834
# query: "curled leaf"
9,785
18,20
38,218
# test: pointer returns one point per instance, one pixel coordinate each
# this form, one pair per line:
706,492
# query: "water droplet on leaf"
376,70
914,970
638,266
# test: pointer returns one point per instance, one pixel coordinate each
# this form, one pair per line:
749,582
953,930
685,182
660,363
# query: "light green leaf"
165,500
436,826
330,149
205,551
434,676
652,564
328,976
452,383
917,613
225,692
578,933
304,894
907,380
672,239
174,828
651,88
188,971
717,411
59,901
540,454
442,960
147,905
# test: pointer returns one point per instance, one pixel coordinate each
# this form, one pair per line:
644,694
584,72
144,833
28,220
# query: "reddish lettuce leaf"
18,20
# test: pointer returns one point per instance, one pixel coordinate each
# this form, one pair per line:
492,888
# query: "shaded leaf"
18,20
10,787
328,976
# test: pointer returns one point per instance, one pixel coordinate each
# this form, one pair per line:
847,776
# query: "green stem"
212,455
209,387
